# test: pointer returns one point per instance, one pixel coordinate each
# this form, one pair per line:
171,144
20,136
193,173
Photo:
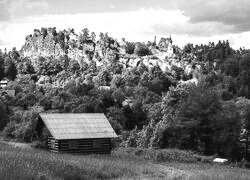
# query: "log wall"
80,146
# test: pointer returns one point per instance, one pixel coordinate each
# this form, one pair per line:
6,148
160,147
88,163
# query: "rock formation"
47,42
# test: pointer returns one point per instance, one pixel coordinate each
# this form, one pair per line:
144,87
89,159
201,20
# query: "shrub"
3,115
162,155
9,129
116,126
130,47
142,50
21,125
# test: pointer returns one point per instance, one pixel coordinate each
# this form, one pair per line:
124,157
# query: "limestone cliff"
50,43
47,42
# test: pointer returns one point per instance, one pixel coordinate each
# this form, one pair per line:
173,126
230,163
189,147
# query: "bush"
39,144
162,155
3,115
21,125
142,50
130,47
9,129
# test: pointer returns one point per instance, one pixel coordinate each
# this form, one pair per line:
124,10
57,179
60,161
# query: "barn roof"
78,125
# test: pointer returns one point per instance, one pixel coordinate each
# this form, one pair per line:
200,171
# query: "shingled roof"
77,125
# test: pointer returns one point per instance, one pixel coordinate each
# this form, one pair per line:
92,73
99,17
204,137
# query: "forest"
200,101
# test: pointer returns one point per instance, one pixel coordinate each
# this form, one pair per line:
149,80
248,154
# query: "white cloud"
228,12
42,4
139,25
27,4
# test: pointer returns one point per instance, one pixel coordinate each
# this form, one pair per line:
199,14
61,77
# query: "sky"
193,21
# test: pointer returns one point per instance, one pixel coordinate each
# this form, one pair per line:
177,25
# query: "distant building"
77,132
166,44
107,88
4,82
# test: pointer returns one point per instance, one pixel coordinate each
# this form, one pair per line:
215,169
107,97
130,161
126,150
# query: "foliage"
25,67
21,125
10,70
155,102
26,100
129,47
74,66
227,132
116,116
197,115
103,78
163,155
142,49
1,67
3,114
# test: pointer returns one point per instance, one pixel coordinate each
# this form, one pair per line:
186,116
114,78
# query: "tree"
227,132
117,81
1,67
84,36
154,112
156,85
197,114
103,78
115,114
70,87
3,115
247,133
129,47
14,55
46,102
244,63
25,67
26,100
21,125
141,49
231,67
44,67
118,96
172,100
74,66
93,37
145,79
10,70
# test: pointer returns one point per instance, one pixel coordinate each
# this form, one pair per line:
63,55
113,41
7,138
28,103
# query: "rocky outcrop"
50,43
47,42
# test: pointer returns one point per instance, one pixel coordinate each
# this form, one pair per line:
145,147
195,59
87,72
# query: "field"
28,163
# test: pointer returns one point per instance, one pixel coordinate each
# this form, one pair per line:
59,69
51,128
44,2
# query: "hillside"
155,95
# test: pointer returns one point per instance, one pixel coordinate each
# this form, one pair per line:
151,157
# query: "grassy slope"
16,163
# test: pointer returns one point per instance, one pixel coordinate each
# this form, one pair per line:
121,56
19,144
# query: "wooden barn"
77,132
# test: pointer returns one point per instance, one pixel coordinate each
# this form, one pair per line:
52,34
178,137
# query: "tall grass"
27,164
123,164
162,155
212,172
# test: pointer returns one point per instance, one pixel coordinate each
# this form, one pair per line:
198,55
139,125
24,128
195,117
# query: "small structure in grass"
82,133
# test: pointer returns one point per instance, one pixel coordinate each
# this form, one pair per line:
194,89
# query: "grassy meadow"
28,163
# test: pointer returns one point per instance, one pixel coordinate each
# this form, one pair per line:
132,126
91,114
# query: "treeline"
147,106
